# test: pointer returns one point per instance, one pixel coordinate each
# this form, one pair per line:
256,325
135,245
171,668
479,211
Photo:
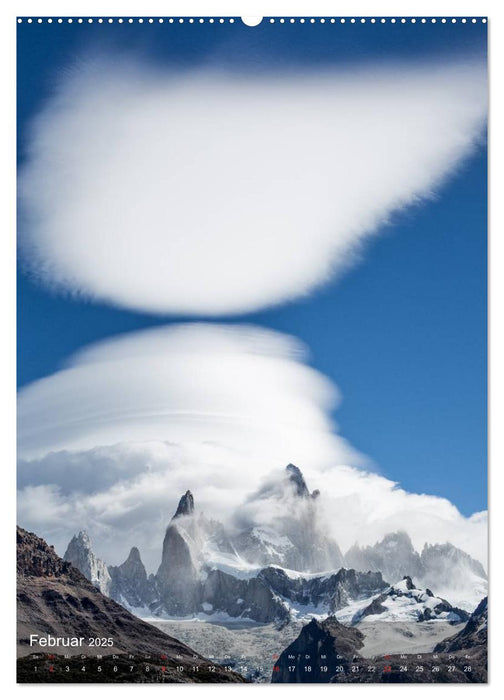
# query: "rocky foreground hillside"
55,600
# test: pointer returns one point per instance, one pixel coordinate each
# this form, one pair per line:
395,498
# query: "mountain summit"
80,553
178,573
286,527
130,585
185,506
296,477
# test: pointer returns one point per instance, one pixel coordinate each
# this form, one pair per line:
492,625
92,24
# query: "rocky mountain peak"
400,538
446,555
134,555
82,539
394,556
129,583
80,553
78,547
185,506
177,577
295,476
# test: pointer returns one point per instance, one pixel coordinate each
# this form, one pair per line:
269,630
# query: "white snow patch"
402,604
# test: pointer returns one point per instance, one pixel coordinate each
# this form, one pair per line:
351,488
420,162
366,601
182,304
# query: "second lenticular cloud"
213,194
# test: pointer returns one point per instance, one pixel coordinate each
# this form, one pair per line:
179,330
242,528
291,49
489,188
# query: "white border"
292,8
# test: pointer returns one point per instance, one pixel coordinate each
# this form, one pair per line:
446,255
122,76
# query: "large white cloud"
111,442
217,193
241,386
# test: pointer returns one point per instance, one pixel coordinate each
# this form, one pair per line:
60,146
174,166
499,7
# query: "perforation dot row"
374,20
120,20
292,20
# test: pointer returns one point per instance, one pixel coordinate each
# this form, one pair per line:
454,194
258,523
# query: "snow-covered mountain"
271,594
441,567
394,556
404,602
202,573
295,537
454,574
278,562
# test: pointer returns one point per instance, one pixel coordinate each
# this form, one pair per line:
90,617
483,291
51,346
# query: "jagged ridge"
201,566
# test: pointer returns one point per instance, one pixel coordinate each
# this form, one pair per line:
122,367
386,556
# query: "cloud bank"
212,194
110,442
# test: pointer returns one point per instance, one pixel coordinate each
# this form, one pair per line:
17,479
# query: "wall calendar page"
252,350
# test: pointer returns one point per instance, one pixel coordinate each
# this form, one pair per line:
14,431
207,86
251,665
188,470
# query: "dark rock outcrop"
474,634
327,593
269,596
247,598
320,647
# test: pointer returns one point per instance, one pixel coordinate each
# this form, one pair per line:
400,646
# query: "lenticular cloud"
110,442
216,194
239,386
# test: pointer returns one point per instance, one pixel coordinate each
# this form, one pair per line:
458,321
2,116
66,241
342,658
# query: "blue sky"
403,333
